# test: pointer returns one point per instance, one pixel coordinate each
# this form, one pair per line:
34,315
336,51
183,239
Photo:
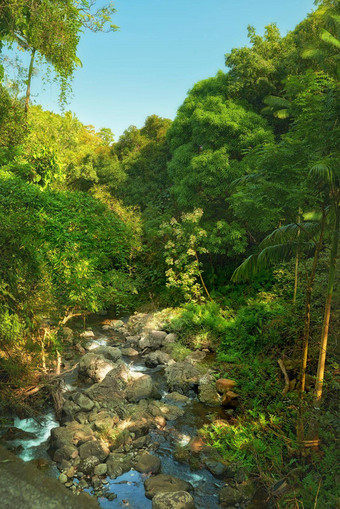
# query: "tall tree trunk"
327,315
29,79
305,339
297,256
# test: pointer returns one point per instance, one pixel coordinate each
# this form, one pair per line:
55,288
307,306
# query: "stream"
128,488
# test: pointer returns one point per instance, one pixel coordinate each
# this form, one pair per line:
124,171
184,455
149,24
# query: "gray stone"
140,387
182,376
207,394
109,352
62,478
83,401
170,338
118,463
156,358
130,352
66,452
94,366
229,496
94,448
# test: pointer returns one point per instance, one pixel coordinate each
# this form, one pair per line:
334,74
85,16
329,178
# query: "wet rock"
175,500
140,387
182,377
147,463
100,469
83,401
118,464
14,433
132,341
82,417
94,448
94,366
207,394
164,484
224,384
104,421
169,412
130,352
110,392
156,358
109,352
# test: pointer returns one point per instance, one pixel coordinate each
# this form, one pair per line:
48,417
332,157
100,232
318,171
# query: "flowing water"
129,487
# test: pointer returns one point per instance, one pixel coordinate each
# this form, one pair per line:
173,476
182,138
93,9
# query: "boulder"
140,387
70,410
71,434
147,463
229,496
87,465
175,500
207,394
67,334
182,377
154,340
66,452
176,397
94,366
156,358
109,352
164,484
100,469
94,448
169,412
84,402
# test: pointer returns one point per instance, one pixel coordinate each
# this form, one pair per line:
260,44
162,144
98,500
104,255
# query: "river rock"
100,469
156,358
94,366
182,377
169,412
130,352
229,496
177,397
84,402
175,500
153,341
94,448
70,410
207,394
118,464
110,392
62,478
164,484
109,352
147,463
140,387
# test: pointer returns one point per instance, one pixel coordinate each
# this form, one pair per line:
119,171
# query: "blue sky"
162,48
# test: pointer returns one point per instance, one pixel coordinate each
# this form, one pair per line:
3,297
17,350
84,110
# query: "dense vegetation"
230,214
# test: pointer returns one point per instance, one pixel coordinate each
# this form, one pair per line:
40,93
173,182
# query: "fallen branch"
283,369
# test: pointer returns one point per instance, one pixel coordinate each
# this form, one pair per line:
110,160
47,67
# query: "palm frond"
329,38
291,232
322,173
246,270
282,114
276,102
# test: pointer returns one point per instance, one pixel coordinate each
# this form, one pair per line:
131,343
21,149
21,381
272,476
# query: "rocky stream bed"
129,421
